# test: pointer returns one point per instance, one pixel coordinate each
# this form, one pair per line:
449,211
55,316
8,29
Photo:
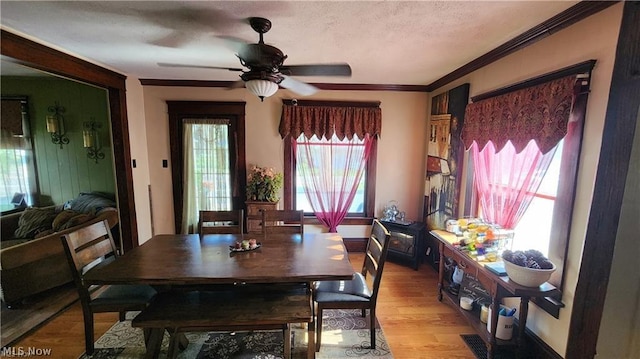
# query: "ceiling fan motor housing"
261,57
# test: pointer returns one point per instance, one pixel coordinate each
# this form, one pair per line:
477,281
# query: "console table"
498,288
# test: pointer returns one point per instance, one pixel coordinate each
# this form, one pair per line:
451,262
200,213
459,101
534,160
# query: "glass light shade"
87,138
261,88
52,124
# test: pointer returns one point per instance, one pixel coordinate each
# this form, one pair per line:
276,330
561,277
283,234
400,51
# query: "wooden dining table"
193,260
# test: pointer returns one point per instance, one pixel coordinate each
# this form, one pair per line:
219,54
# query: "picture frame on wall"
445,151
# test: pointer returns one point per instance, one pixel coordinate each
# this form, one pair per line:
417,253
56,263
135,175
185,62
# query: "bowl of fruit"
528,268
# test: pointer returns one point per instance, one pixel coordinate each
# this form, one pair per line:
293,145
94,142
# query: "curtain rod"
580,68
295,102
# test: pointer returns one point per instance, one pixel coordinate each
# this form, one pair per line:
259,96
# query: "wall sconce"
91,142
55,125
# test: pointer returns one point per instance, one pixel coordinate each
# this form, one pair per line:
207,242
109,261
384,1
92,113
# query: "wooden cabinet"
407,241
498,288
254,214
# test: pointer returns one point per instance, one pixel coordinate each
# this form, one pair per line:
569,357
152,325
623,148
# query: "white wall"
592,38
401,147
138,142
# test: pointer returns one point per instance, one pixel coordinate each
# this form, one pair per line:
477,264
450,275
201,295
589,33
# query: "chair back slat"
85,248
221,222
88,244
282,222
376,255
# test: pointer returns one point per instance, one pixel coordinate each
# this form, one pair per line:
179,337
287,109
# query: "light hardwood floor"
415,324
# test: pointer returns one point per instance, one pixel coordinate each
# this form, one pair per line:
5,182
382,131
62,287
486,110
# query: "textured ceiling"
390,42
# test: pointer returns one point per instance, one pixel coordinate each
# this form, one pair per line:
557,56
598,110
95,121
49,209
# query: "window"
14,166
328,135
208,158
207,176
17,170
362,207
561,102
330,157
534,229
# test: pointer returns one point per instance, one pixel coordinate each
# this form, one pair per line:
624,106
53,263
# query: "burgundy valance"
539,112
12,117
325,118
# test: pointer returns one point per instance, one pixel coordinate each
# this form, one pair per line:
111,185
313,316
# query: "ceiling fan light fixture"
261,88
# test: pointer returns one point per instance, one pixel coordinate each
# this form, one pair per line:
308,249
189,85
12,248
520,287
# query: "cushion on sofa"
34,220
92,202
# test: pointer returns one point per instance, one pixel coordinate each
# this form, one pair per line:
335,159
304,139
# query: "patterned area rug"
345,334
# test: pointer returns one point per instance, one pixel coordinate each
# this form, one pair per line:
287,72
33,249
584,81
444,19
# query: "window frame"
235,112
370,185
33,187
567,182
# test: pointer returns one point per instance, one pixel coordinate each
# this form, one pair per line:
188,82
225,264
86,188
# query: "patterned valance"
539,113
325,118
12,117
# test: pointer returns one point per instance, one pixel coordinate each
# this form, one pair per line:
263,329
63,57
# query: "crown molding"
576,13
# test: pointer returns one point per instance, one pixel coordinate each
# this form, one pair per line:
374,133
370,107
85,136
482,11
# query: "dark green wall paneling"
64,173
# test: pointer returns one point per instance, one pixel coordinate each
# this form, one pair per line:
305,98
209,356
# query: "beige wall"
400,150
592,38
138,142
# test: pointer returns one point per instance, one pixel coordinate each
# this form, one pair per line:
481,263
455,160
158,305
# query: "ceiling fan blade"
236,85
233,43
164,64
299,87
340,69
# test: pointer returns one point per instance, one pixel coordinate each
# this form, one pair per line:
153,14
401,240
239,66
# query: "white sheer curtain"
331,171
15,155
207,172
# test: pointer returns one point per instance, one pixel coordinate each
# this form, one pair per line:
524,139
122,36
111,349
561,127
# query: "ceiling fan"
264,67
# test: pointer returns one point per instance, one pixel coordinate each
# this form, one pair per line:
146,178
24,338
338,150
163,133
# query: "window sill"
549,305
350,221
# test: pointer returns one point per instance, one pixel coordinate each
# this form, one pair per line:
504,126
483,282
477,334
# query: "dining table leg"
311,333
153,343
311,327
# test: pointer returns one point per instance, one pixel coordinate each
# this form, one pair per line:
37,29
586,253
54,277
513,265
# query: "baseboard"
541,349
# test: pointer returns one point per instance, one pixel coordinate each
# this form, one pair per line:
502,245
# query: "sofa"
32,259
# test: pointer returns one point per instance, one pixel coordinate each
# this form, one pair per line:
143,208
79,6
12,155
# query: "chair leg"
88,333
318,328
364,312
287,341
174,343
122,316
372,315
154,343
147,335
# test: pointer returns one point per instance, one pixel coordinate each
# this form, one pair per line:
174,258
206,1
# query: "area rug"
345,334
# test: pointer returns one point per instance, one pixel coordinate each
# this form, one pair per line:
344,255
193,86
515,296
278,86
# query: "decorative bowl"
528,277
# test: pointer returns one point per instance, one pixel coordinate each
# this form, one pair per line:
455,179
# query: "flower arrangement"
263,184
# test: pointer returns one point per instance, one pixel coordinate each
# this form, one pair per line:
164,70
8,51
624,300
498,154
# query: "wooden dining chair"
357,292
221,222
89,247
282,222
